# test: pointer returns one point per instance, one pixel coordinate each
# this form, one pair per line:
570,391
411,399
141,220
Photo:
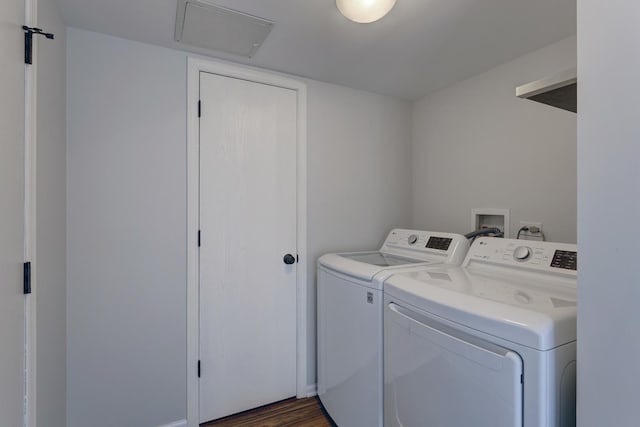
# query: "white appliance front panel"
438,376
349,350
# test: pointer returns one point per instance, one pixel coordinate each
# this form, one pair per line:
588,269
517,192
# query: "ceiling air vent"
213,27
558,91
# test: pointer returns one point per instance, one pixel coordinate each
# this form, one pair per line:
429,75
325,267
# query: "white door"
248,224
11,212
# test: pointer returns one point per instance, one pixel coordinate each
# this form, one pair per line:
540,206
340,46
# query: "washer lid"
530,309
365,265
401,248
380,259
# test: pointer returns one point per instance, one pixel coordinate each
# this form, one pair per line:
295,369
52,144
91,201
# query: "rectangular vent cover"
213,27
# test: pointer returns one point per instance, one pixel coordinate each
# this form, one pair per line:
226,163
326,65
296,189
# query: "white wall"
127,217
359,176
126,223
475,145
609,209
50,265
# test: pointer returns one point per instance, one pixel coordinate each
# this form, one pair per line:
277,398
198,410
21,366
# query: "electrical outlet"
528,235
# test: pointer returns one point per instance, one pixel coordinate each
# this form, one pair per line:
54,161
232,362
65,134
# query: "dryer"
349,314
488,344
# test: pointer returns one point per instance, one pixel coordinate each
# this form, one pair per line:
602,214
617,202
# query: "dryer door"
438,376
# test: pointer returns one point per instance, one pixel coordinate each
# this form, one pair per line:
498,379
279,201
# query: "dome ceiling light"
365,11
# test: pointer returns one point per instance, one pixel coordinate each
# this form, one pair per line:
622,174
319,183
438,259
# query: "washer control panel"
524,253
446,247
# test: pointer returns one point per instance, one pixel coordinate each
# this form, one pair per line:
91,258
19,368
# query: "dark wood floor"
290,412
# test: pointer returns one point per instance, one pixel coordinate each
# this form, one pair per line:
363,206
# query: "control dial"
412,239
522,253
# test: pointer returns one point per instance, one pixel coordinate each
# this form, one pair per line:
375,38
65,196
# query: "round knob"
289,259
413,239
522,253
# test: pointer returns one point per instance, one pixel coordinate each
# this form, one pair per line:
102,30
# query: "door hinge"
28,41
199,238
26,285
198,369
199,108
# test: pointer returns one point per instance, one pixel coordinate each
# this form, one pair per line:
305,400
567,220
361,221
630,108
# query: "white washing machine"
488,344
350,319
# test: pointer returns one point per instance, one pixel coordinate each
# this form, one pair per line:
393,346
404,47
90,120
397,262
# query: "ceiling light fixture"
365,11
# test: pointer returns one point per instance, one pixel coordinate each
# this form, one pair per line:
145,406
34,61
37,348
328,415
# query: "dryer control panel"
546,256
420,244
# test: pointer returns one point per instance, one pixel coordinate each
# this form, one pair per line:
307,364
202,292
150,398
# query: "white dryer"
488,344
350,319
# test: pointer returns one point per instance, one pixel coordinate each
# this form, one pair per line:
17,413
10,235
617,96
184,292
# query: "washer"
350,319
488,344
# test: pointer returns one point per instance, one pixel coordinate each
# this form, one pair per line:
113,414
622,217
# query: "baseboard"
312,390
181,423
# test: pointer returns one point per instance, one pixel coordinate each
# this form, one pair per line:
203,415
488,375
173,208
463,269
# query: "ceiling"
421,46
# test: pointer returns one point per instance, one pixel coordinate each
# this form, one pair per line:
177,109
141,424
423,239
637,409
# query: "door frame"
194,67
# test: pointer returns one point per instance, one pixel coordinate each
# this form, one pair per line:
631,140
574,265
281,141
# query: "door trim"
194,67
30,221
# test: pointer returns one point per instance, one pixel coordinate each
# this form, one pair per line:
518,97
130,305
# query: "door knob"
289,259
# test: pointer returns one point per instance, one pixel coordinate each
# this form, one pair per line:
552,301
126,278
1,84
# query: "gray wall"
127,217
475,145
50,266
609,209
